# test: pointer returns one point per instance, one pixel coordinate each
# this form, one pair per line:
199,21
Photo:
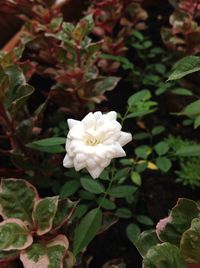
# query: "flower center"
92,141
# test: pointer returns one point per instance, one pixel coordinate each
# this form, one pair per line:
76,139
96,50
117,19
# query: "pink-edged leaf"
46,254
179,220
43,214
14,235
17,198
64,212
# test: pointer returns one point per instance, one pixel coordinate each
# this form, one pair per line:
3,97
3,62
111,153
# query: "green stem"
107,190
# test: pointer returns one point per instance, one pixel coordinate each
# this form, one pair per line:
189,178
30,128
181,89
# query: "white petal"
89,120
112,115
104,163
119,152
95,172
76,132
91,164
80,157
97,115
67,162
125,138
78,165
72,123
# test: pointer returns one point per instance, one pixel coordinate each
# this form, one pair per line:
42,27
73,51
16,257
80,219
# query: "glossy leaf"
48,254
87,229
184,67
14,235
92,186
190,242
122,191
17,198
44,213
145,241
164,255
170,229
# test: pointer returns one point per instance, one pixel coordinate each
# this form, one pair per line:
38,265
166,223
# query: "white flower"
94,141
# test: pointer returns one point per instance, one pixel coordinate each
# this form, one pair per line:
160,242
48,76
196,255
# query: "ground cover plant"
99,134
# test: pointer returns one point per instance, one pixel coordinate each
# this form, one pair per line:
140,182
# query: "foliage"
31,225
175,242
184,33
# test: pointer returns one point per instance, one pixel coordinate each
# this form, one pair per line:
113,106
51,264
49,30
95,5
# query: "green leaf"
145,241
136,178
106,203
192,109
46,254
49,145
18,91
189,150
92,186
122,173
143,151
184,67
126,64
197,122
132,232
163,163
87,230
17,198
161,148
190,242
46,149
179,220
50,141
164,255
14,235
122,191
69,188
157,130
86,195
64,212
141,95
144,220
123,213
44,213
182,91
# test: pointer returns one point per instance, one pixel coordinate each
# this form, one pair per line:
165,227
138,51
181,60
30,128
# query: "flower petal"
72,123
95,172
67,162
125,138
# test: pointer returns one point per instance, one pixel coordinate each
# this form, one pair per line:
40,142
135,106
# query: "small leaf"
48,254
87,229
123,213
17,198
192,109
92,186
46,149
138,96
44,213
143,151
106,203
163,163
64,212
136,178
197,122
157,130
164,255
14,235
182,91
122,191
144,220
69,188
161,148
184,67
132,232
